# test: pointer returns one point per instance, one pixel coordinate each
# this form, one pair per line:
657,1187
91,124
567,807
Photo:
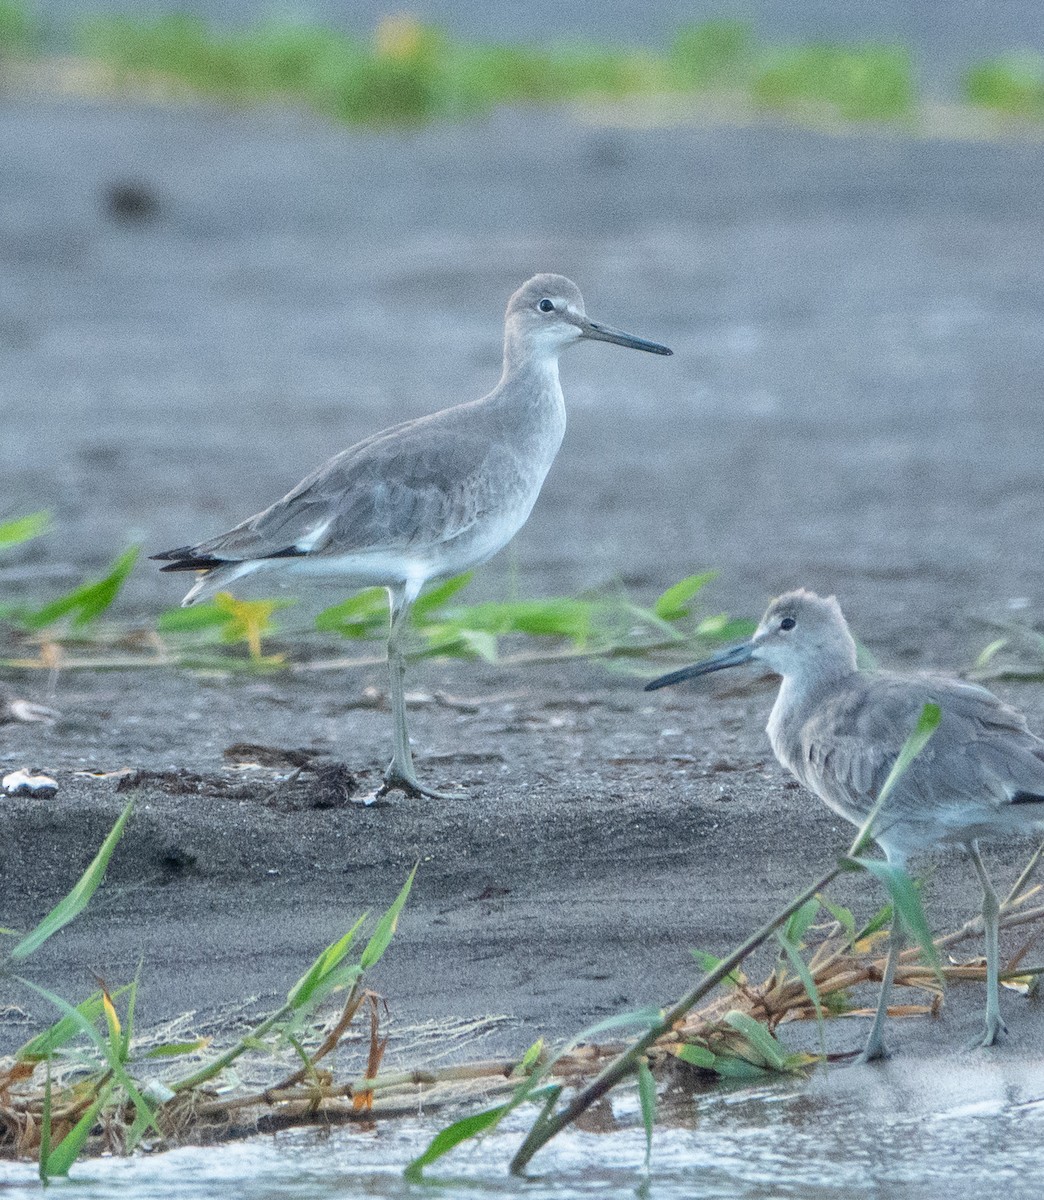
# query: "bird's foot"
875,1051
994,1031
396,780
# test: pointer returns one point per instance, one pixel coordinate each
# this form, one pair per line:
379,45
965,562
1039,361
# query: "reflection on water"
909,1128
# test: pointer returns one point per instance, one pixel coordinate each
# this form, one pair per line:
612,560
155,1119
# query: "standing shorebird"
839,730
426,499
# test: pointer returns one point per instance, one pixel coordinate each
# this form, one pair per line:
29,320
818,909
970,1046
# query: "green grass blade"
453,1135
730,1066
361,615
647,1099
194,619
23,529
761,1041
386,926
908,905
84,604
144,1108
45,1126
531,1057
176,1049
530,1088
61,1157
43,1045
434,599
708,962
128,1018
799,923
672,604
76,901
330,958
697,1056
843,916
800,969
927,723
452,641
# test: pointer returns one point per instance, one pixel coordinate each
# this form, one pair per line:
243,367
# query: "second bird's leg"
400,775
995,1027
875,1047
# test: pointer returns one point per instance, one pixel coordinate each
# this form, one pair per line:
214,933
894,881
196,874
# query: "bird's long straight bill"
603,333
727,658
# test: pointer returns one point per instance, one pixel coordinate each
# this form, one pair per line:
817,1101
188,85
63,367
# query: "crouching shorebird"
426,499
839,730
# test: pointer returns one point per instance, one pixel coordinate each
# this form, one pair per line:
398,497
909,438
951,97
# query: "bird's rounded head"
544,316
547,314
804,634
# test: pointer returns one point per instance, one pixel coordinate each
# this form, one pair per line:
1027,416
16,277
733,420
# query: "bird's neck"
813,677
802,690
530,383
532,368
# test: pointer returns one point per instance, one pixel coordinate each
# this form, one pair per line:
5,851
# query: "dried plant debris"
288,780
25,782
187,783
250,754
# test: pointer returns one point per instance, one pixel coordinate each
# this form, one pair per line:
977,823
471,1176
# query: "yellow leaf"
249,620
111,1016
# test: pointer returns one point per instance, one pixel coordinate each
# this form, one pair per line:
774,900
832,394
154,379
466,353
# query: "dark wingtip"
193,564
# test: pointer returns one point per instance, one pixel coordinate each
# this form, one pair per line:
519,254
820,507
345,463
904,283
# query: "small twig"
351,1007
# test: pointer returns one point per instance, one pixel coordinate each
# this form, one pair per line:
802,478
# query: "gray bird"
426,499
839,730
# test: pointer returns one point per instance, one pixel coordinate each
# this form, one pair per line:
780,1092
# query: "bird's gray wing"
982,752
425,481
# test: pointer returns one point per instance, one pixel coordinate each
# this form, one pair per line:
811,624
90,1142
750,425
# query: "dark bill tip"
720,662
603,333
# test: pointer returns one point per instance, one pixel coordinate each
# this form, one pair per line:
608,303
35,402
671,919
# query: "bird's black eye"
787,623
546,305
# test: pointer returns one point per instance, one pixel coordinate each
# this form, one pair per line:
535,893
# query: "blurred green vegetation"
408,72
18,27
719,53
1012,84
859,83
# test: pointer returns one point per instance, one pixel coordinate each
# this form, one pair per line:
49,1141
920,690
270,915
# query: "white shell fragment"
26,712
29,783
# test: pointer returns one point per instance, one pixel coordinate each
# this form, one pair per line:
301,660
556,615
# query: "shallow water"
906,1128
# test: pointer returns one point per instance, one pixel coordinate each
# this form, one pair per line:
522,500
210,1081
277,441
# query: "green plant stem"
545,1128
236,1051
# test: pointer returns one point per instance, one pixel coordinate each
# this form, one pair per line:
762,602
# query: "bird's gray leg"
400,775
995,1027
875,1047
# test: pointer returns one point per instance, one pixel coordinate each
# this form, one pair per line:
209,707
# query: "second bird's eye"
787,623
546,305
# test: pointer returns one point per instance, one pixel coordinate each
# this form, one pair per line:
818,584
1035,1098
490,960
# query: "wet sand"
853,406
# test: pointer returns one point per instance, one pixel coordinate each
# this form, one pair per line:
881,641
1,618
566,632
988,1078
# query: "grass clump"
407,73
410,72
105,1090
1012,84
857,83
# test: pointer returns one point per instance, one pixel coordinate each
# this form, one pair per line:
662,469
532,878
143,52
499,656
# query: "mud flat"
854,406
